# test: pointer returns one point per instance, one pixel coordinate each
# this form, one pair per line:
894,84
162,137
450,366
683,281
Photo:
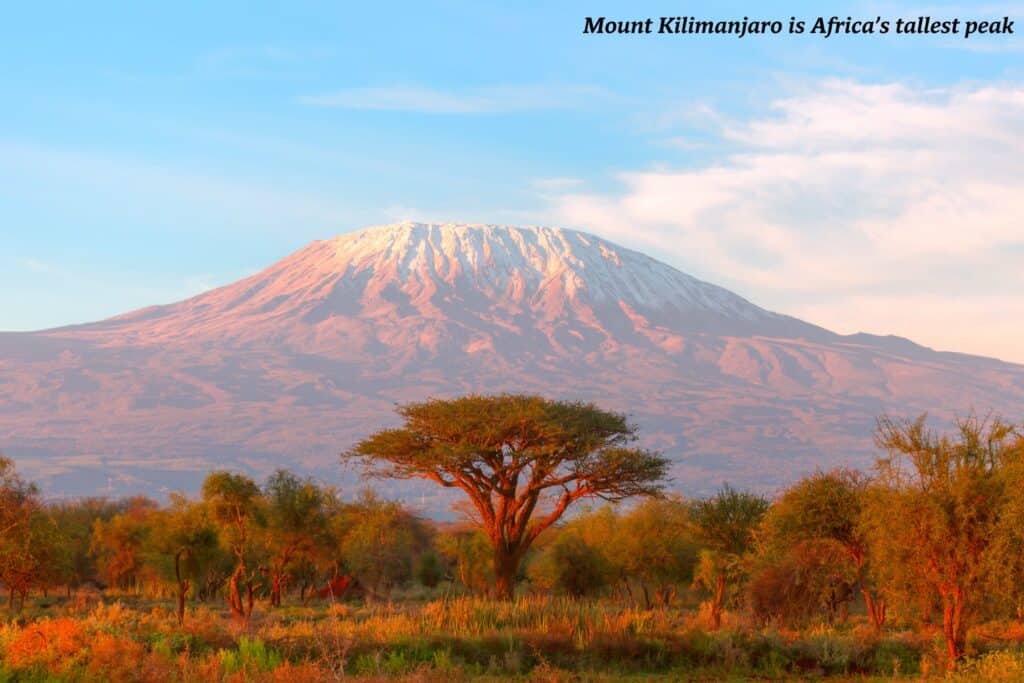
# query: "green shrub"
429,571
252,655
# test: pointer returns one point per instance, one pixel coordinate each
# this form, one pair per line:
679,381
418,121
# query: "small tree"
520,460
234,501
20,510
75,521
18,499
828,508
570,565
379,543
938,508
185,535
655,544
118,544
725,524
1006,557
296,525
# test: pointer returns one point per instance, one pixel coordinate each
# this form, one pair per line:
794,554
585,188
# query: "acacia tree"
1006,559
938,508
520,460
184,534
725,526
828,508
379,540
296,525
29,540
75,521
234,503
118,544
654,544
18,499
19,504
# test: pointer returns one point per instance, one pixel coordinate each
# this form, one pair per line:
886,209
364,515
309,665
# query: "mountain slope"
288,366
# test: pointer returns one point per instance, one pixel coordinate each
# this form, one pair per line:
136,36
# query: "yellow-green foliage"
993,667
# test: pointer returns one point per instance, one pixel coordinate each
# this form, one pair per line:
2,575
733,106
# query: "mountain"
290,366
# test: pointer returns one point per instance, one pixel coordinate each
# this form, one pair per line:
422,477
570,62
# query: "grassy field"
533,638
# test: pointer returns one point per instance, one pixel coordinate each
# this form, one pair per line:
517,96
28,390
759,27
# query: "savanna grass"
530,638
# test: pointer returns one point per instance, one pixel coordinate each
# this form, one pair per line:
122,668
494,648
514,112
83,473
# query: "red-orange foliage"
115,659
335,589
54,644
307,672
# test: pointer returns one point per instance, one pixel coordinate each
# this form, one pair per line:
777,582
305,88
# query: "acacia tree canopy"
521,460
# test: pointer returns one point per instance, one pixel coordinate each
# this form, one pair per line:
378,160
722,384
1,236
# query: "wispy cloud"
489,100
845,200
42,267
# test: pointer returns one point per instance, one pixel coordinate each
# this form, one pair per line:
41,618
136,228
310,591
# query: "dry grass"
533,638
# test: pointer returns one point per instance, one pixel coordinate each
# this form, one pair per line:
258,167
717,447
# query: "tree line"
932,535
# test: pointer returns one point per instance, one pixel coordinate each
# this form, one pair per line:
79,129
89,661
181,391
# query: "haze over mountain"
290,366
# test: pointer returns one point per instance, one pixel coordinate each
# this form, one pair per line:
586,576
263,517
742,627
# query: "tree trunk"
717,601
250,599
953,626
275,589
506,565
182,592
876,609
235,593
10,598
183,586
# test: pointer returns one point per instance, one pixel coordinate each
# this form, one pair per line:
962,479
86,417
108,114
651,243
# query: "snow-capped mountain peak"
467,282
528,260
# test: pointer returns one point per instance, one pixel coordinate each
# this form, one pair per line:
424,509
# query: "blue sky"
149,151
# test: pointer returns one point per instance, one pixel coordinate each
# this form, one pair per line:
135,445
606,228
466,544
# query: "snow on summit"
419,285
524,262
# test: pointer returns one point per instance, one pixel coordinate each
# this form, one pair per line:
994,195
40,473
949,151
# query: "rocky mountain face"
290,366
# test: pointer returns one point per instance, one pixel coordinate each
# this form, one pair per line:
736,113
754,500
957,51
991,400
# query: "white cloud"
853,199
487,100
